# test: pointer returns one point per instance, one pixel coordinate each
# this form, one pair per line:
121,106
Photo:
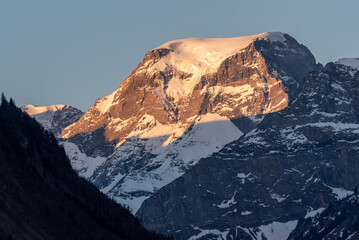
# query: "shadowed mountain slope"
42,197
296,161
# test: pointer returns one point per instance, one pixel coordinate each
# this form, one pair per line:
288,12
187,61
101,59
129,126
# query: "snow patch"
105,103
245,213
227,203
350,62
340,193
204,232
276,230
83,164
278,197
313,213
34,110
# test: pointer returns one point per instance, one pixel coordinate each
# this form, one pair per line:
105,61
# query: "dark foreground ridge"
41,196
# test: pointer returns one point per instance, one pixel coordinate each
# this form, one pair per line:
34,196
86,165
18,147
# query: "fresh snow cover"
204,232
276,230
314,212
228,203
105,103
278,197
173,155
149,128
336,126
84,165
245,213
350,62
195,55
42,114
271,231
243,177
340,193
198,56
209,133
34,110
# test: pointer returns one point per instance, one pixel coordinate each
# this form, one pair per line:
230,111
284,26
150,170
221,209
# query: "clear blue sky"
72,51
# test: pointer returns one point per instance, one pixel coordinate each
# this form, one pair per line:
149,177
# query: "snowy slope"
199,55
54,117
43,114
168,158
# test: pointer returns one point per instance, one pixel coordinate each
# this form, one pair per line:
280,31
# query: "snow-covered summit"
54,117
350,62
33,110
197,55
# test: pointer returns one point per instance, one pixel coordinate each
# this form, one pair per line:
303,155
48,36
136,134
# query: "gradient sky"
72,51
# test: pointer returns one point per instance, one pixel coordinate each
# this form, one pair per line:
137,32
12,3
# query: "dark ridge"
42,197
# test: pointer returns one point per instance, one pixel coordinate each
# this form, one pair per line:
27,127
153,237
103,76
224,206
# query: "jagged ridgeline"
42,197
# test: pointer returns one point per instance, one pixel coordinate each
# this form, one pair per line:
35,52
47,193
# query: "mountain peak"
198,55
33,109
53,117
350,62
174,108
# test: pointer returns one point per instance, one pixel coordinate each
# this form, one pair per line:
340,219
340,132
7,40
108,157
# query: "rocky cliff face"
54,118
296,161
184,101
340,220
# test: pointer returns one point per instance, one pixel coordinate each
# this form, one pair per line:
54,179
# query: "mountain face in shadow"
340,220
42,197
294,162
